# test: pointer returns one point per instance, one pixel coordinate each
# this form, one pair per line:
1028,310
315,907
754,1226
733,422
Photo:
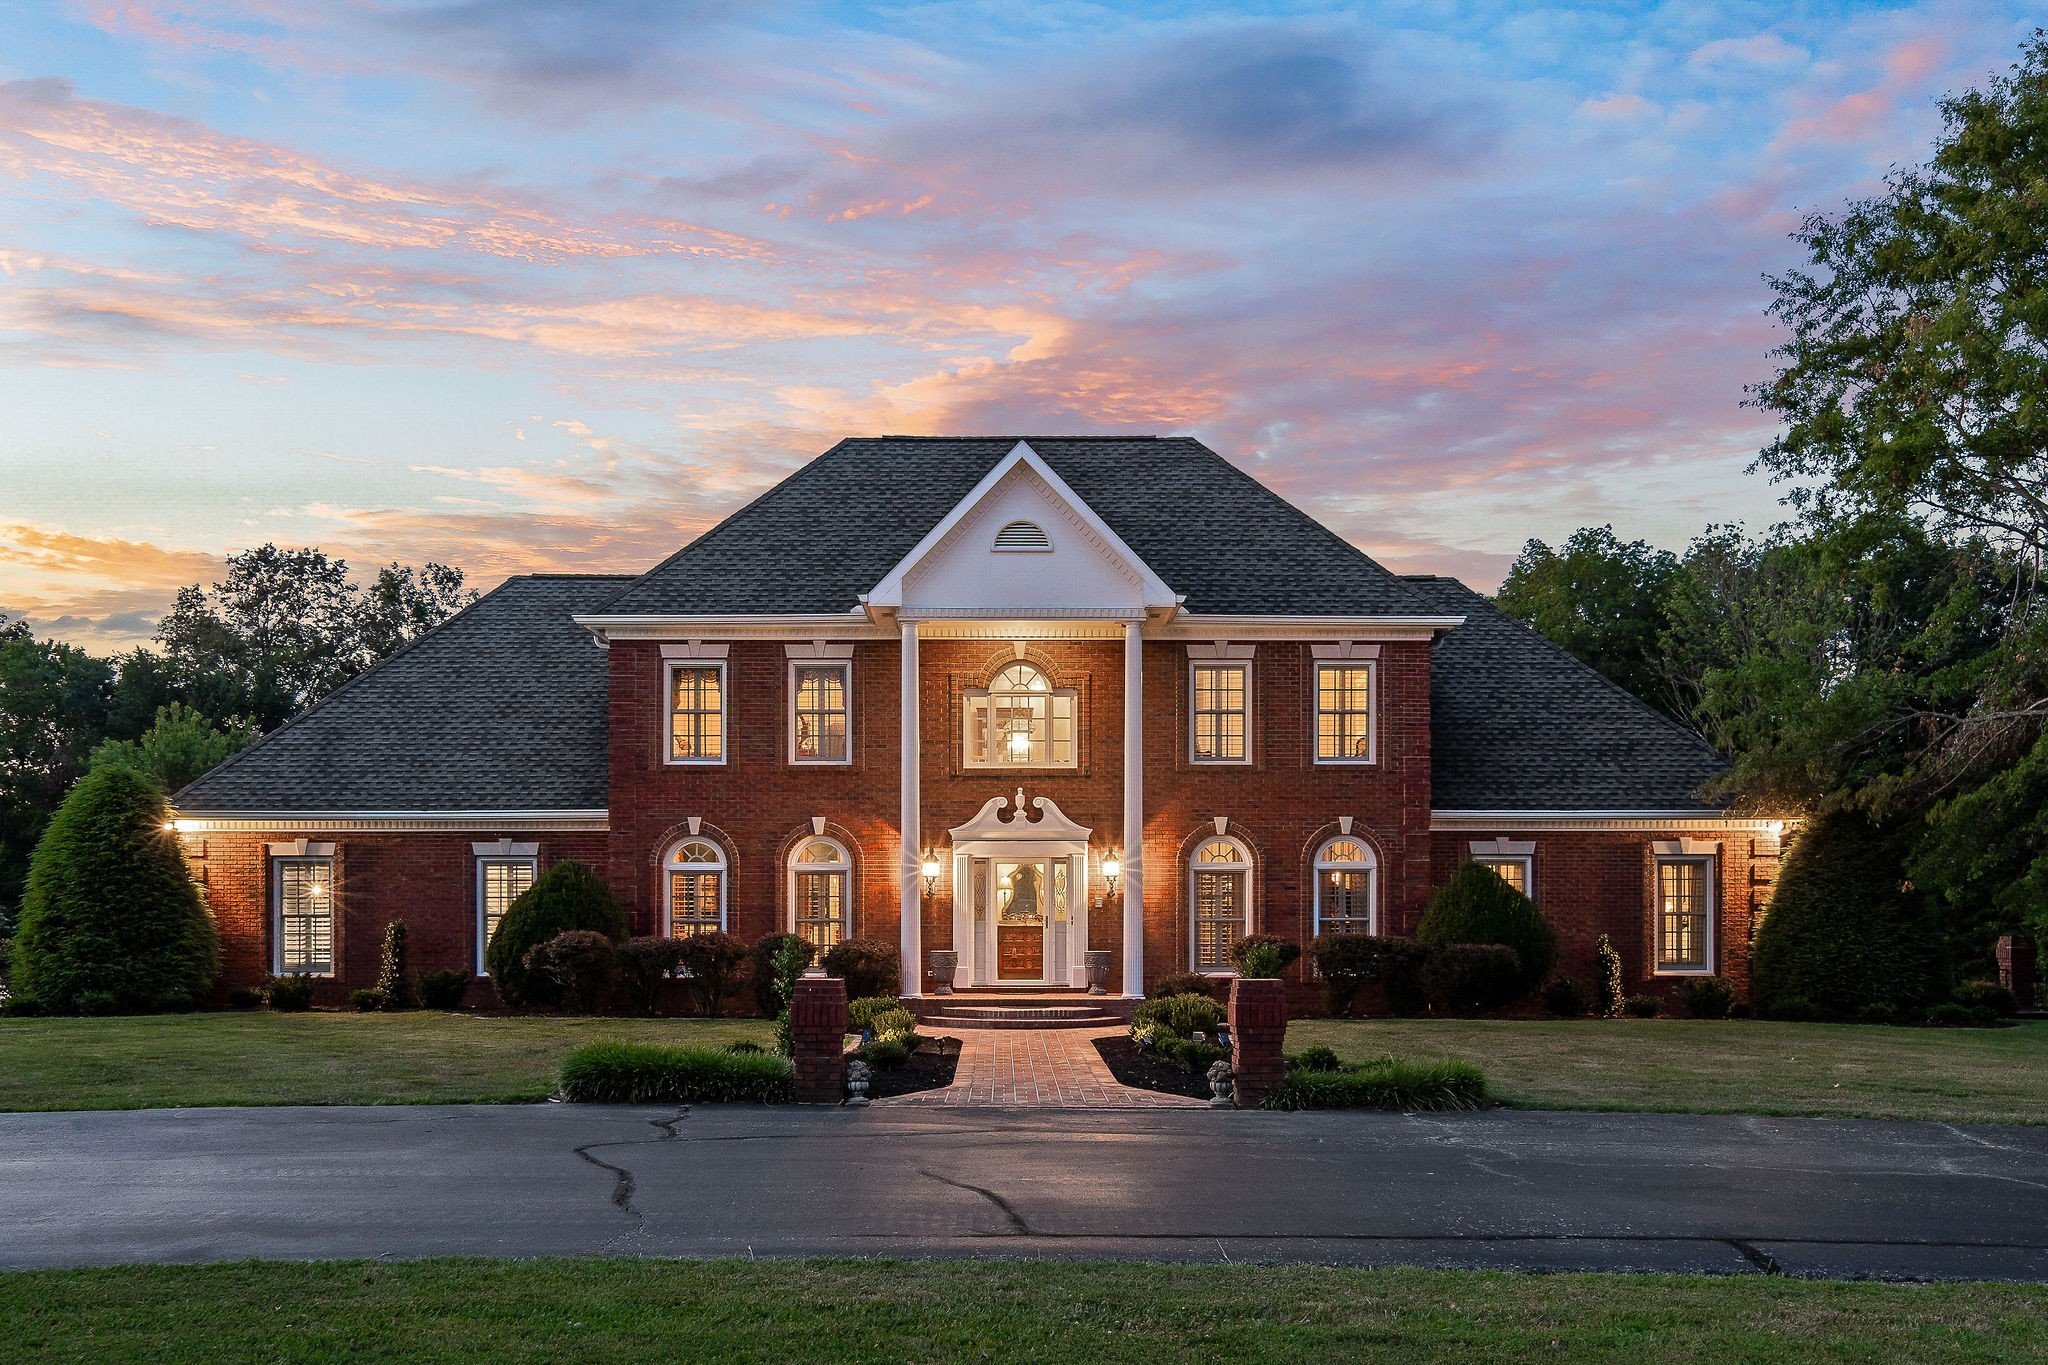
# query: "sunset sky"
533,284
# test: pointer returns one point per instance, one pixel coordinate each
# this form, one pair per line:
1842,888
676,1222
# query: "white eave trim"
851,625
1616,820
1191,626
388,822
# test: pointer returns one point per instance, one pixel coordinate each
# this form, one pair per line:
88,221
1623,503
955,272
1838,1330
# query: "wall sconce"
931,869
1112,868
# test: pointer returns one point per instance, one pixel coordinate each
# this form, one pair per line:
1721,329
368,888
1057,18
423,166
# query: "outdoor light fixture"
931,869
1112,868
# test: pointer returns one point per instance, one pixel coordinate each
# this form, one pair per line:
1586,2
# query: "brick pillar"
817,1022
2016,964
1258,1033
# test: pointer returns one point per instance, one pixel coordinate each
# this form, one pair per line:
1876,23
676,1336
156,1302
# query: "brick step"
958,1011
1053,1019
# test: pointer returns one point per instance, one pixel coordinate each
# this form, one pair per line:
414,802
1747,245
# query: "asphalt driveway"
1503,1189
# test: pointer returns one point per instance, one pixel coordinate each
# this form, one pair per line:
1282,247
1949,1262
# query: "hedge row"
614,1072
1387,1083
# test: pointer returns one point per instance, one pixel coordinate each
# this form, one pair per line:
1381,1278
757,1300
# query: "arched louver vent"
1023,535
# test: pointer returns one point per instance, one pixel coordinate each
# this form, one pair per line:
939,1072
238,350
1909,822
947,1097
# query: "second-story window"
1020,721
696,713
1344,713
1222,712
819,711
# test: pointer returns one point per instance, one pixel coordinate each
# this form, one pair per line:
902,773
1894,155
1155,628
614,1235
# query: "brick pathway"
1043,1068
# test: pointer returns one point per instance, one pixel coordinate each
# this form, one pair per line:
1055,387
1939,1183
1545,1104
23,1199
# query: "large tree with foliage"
53,709
179,746
1602,599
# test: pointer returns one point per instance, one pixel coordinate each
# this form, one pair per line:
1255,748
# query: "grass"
417,1057
854,1311
1732,1067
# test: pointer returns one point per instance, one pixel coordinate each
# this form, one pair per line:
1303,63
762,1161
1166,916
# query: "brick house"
1127,700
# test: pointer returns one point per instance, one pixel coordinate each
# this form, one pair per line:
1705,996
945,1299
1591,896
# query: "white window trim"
1195,870
844,667
483,859
1194,732
670,862
794,869
670,667
1372,715
1527,861
1712,863
1371,864
277,863
1003,765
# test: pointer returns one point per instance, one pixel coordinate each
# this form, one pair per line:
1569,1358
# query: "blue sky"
527,284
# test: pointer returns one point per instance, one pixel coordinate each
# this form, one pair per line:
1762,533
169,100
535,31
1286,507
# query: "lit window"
1221,901
1685,915
1344,713
304,892
1512,870
1222,712
1020,721
696,713
818,712
696,888
819,873
1347,875
499,882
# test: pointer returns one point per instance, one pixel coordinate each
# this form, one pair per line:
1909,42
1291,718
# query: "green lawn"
510,1311
418,1057
1736,1067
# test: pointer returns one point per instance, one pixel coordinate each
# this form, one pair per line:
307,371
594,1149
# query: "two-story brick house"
1123,697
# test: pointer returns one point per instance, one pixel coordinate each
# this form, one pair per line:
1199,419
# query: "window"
1344,713
696,713
1346,881
1221,902
696,888
304,892
819,711
1685,915
819,874
499,882
1513,870
1020,722
1222,712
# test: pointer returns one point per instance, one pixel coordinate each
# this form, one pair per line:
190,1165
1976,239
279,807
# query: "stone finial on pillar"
817,1026
1258,1037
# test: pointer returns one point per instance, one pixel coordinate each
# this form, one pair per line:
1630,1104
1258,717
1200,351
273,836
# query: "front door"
1021,892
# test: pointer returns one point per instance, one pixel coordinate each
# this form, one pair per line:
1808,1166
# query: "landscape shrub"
580,963
1796,1009
19,1007
1263,956
1608,991
1877,1012
614,1072
1179,1016
893,1023
1740,1010
6,965
1644,1006
1949,1014
1347,963
885,1054
1387,1083
289,994
94,1004
443,988
714,962
1476,906
771,991
569,896
1318,1058
860,1014
1840,931
367,1001
868,966
1188,1054
1567,997
392,978
1470,979
644,964
245,998
1707,997
1989,994
110,907
1184,983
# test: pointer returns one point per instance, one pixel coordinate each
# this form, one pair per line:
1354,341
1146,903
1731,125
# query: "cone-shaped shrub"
1476,906
112,918
570,896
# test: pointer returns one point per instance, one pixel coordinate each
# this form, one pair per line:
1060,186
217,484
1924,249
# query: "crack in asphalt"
1757,1256
622,1178
1020,1228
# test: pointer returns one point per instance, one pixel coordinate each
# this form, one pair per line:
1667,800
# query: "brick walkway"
1043,1068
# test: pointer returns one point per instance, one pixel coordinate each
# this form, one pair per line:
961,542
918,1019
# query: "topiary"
392,978
1841,931
1183,983
1608,993
1263,956
570,896
713,961
867,965
1567,997
1476,906
111,908
581,963
769,996
1707,997
1469,979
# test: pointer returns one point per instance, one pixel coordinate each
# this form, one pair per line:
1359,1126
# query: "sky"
527,285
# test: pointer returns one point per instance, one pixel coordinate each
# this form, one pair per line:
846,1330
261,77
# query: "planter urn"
1096,965
944,962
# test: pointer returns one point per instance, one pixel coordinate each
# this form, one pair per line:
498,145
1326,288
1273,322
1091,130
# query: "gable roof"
500,708
1516,723
832,530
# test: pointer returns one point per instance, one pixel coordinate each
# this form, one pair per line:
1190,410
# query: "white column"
1134,809
912,941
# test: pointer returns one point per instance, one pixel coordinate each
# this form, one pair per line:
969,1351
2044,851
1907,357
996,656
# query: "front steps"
1017,1009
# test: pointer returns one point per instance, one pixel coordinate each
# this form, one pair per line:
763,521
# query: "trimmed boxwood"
1183,983
443,988
616,1072
868,966
1471,979
1346,963
1181,1016
570,896
1386,1083
1476,906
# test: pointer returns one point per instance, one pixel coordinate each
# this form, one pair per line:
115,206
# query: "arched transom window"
820,877
1020,721
695,870
1220,896
1347,887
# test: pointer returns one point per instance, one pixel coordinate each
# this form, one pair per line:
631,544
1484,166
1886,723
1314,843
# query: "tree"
180,746
53,709
570,896
1601,599
1477,907
113,921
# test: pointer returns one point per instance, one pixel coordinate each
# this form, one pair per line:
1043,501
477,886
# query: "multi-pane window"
818,713
696,713
1221,902
499,882
1020,721
1512,870
1221,711
696,888
1684,914
304,889
1346,871
1344,713
819,873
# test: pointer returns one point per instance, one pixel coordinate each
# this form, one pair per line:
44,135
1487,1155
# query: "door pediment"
989,824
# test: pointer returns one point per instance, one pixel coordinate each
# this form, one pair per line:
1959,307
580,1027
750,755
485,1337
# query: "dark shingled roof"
830,531
500,708
1516,723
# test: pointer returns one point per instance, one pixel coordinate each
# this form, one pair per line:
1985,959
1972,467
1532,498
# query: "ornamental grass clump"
1443,1083
615,1072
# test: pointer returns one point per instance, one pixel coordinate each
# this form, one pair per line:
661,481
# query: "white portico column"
912,941
1134,808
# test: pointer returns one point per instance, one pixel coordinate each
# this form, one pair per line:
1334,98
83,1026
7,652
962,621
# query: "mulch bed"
931,1067
1142,1071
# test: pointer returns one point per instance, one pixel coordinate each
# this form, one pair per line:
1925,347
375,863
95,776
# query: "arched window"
820,908
1347,887
1220,898
1020,721
696,888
